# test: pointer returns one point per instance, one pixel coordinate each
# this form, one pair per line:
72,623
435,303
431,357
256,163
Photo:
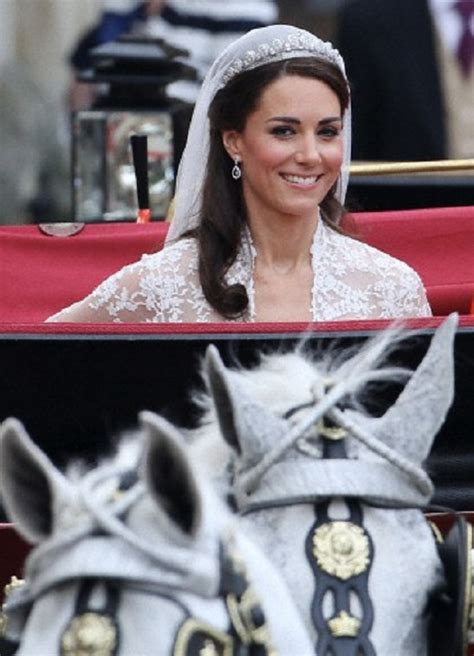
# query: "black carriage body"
75,389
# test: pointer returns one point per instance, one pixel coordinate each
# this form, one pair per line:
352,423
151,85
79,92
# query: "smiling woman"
255,235
291,143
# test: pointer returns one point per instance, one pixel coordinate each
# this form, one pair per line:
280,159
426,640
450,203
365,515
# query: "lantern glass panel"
104,185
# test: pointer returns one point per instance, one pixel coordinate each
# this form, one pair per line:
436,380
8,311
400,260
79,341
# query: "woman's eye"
282,131
329,132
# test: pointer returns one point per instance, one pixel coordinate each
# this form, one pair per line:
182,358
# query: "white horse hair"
316,478
142,544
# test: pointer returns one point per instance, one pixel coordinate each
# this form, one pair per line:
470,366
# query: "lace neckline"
246,260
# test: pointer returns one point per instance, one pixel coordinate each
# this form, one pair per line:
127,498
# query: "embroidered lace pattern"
351,281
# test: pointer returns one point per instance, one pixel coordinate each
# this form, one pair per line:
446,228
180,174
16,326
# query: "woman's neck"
283,245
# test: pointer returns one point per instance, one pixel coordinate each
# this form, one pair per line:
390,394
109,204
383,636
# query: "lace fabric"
352,280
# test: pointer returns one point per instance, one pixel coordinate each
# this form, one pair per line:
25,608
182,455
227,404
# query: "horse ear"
169,474
221,391
30,484
413,421
247,425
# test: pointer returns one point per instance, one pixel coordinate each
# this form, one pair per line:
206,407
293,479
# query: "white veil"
257,47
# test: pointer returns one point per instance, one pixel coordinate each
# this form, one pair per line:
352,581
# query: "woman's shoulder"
151,289
378,284
171,262
364,256
177,255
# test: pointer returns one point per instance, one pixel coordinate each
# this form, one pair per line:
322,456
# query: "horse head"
283,406
333,493
135,555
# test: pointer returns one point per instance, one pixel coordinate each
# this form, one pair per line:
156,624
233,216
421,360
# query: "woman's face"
291,148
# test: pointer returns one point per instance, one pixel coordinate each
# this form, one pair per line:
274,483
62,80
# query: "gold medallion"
90,634
334,433
341,549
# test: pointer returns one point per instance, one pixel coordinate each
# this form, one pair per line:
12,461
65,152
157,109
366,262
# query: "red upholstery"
332,328
40,274
13,551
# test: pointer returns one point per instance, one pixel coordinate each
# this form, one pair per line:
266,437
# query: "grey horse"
137,556
332,493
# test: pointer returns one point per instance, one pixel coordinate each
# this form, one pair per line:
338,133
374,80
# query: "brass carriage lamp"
133,73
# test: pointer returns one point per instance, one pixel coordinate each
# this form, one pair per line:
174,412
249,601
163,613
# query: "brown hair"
223,212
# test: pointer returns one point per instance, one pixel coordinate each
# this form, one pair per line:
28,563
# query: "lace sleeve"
419,301
121,298
163,287
357,281
400,292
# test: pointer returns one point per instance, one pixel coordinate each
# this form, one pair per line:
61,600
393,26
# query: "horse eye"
257,617
128,480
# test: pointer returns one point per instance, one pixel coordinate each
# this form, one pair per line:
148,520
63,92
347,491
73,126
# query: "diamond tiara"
300,44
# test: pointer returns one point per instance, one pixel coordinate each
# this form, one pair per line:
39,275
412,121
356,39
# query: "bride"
256,234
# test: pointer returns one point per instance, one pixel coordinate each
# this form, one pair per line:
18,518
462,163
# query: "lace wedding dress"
351,281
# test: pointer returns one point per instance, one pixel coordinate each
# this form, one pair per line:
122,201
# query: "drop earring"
236,171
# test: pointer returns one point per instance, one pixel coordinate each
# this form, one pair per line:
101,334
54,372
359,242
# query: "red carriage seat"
41,274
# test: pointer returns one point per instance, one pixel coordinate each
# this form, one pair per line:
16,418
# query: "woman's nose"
308,151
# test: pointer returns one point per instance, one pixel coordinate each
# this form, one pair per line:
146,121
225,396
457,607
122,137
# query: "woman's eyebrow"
284,119
330,119
297,121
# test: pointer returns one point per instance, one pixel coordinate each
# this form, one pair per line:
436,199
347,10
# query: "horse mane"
369,363
123,454
265,382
